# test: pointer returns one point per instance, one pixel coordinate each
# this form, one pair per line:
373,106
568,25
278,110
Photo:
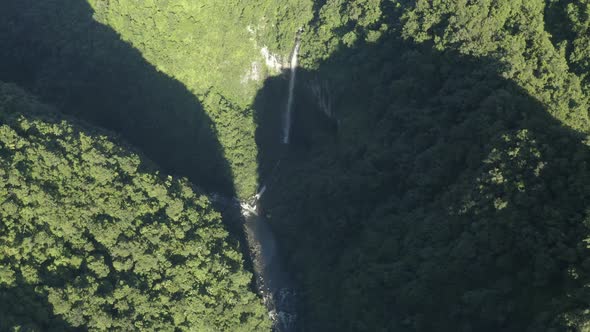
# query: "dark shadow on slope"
560,26
435,195
566,21
23,307
60,53
558,22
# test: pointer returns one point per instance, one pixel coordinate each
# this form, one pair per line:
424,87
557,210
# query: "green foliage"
209,44
106,243
82,67
513,32
236,133
569,23
213,48
450,192
341,24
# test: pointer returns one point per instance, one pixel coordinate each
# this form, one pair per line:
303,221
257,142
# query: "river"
273,282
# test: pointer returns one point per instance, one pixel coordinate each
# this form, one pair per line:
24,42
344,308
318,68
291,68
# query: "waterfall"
292,80
273,281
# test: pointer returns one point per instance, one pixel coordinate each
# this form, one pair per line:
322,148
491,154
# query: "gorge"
404,166
272,279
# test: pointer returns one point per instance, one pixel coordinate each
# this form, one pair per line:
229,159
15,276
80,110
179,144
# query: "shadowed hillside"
433,195
437,177
83,68
94,238
61,54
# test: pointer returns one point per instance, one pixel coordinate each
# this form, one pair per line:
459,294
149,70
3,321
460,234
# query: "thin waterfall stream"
292,80
272,279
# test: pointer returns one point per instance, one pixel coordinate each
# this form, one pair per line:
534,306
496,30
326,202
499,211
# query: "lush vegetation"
438,177
214,49
448,189
73,56
82,67
108,244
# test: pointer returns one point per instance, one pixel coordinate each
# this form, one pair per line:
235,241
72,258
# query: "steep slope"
445,188
437,176
92,238
221,51
67,58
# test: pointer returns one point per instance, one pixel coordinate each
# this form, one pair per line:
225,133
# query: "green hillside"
437,176
93,239
448,188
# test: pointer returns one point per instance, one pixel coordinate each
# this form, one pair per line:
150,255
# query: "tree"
106,242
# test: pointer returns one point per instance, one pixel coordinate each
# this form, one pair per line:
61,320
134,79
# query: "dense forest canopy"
216,49
437,180
446,188
91,239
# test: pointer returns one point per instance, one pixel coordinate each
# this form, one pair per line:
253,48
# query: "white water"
281,296
274,283
251,209
292,80
272,61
